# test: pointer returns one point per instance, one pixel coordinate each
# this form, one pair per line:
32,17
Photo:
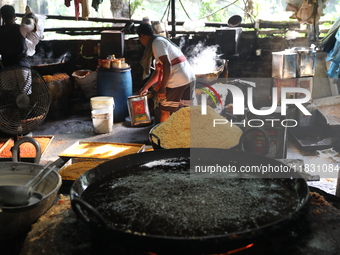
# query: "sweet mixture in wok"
163,199
189,128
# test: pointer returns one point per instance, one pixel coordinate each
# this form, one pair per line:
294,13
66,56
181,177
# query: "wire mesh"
24,100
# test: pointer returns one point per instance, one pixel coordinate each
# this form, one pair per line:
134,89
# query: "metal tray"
328,111
5,149
3,143
100,150
314,137
331,114
66,183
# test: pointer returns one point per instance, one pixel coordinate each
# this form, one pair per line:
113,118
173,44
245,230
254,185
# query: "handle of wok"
26,139
39,173
87,213
253,129
157,138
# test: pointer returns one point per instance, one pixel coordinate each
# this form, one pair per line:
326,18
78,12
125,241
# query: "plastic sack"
87,81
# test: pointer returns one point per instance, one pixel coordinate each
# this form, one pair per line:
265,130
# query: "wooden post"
337,190
173,18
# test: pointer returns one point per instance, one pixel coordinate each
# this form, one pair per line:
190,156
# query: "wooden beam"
60,29
280,27
262,23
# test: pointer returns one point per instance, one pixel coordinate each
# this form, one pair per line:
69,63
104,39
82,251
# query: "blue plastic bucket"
116,83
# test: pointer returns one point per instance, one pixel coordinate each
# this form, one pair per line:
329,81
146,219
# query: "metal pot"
156,145
131,164
17,220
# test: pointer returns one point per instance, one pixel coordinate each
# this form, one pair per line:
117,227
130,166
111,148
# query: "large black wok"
130,164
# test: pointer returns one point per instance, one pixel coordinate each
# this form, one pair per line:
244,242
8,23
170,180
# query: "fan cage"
24,100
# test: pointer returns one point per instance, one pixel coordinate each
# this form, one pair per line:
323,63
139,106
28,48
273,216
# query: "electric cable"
180,1
210,13
218,10
166,10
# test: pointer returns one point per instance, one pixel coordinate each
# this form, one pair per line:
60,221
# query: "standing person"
13,49
173,73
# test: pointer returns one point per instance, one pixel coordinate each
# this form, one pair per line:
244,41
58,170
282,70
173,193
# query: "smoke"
203,58
181,43
42,57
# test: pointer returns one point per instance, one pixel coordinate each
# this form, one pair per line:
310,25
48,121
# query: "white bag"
33,38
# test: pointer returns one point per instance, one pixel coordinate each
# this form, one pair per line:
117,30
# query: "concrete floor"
79,127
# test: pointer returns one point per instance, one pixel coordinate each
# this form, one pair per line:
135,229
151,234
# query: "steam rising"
203,58
48,57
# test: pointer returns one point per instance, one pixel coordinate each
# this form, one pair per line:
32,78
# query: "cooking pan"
46,66
213,75
234,21
111,237
17,220
243,143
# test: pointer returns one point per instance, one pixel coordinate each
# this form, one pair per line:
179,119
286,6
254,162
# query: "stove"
314,231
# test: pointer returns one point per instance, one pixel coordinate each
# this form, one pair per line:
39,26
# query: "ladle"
14,195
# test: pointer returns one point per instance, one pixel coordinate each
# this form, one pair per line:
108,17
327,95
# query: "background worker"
13,49
173,74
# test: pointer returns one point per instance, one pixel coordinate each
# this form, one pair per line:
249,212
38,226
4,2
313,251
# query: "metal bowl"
17,220
211,76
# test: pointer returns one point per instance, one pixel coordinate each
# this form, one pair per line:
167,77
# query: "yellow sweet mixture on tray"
101,150
73,171
188,127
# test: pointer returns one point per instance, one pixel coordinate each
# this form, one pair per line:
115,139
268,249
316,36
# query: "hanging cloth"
334,57
85,10
96,3
327,43
76,6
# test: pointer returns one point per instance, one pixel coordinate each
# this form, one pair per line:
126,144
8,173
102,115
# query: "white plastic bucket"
102,120
102,102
